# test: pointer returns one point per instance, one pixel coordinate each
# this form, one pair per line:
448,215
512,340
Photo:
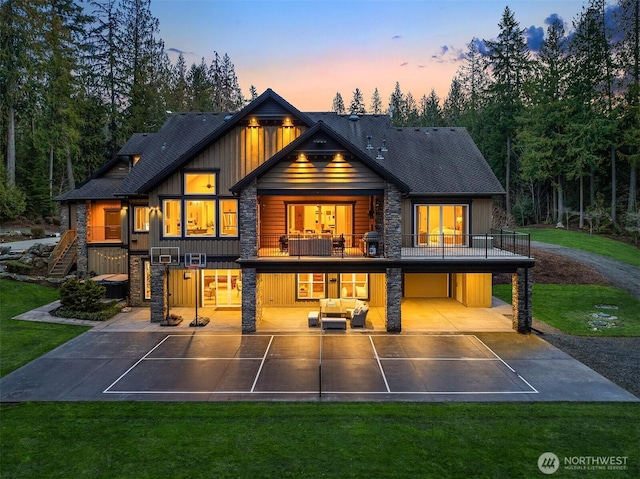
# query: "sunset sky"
308,50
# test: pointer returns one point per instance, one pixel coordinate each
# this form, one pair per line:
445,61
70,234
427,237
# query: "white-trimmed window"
141,218
354,285
311,286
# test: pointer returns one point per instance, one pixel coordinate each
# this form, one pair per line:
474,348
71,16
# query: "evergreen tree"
178,98
509,64
200,89
376,103
253,93
474,82
430,112
454,104
357,103
397,107
338,104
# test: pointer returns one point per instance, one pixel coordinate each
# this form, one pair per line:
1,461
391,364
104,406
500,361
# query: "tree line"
560,126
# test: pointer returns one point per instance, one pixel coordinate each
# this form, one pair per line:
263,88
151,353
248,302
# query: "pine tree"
509,63
338,104
357,103
430,114
453,104
178,98
201,97
376,103
253,93
412,116
397,107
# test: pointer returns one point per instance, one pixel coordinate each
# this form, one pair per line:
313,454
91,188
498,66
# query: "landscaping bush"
16,267
85,296
37,233
106,311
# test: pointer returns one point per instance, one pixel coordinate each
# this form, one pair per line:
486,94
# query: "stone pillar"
136,276
81,234
393,300
249,221
249,300
158,273
392,221
521,294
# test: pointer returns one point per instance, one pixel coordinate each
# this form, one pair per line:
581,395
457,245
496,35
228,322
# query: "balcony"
104,234
497,244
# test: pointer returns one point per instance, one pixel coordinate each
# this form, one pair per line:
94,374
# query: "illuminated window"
147,280
136,158
200,218
140,218
171,214
320,218
229,217
441,224
311,286
199,183
354,285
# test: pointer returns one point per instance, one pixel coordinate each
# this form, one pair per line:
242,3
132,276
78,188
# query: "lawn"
602,245
308,440
571,308
23,341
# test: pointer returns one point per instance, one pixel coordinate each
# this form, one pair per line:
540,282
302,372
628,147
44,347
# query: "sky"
309,50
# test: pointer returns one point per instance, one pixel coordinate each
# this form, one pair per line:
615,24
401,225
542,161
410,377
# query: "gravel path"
617,359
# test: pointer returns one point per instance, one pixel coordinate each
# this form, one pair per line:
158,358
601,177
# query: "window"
320,218
147,279
440,224
140,218
311,286
229,217
354,285
172,214
199,183
200,218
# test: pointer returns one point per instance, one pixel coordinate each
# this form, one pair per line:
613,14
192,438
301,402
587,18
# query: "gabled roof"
430,161
91,188
319,129
185,135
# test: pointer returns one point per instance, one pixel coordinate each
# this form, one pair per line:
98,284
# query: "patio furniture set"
335,312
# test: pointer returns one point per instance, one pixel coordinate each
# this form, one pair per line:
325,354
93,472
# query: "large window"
140,218
311,286
200,213
441,224
320,218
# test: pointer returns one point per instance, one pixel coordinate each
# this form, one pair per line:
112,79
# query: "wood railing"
61,248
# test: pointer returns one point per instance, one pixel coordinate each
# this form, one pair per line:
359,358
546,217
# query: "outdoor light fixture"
369,145
253,122
287,123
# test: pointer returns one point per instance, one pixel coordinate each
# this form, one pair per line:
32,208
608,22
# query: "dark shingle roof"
165,148
94,189
429,160
136,144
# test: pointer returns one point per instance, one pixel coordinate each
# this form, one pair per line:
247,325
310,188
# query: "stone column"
65,222
249,249
249,300
521,294
158,273
81,234
393,300
392,221
136,276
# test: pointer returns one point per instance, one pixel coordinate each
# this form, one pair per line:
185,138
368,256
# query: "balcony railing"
498,243
327,245
104,234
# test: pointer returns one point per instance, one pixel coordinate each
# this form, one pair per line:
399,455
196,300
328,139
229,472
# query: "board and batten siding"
481,216
322,174
108,260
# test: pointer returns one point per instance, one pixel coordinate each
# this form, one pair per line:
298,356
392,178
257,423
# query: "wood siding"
320,173
110,260
481,216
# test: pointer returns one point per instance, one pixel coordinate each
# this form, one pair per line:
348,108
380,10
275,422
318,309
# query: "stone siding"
82,219
392,222
521,294
393,309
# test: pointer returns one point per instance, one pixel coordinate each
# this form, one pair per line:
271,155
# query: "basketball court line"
263,358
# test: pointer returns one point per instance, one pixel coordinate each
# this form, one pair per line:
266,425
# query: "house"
273,207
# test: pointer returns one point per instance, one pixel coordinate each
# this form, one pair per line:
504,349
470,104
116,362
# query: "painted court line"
263,359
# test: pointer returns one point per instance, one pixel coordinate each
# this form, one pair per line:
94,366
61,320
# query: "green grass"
570,307
308,440
604,246
23,341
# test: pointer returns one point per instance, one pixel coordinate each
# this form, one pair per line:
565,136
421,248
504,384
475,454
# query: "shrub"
81,295
37,233
16,267
106,311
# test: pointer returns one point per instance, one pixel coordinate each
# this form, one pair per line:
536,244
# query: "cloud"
553,18
482,46
535,37
447,53
396,37
178,51
404,64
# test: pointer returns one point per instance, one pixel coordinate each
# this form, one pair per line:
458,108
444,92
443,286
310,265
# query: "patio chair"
359,318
